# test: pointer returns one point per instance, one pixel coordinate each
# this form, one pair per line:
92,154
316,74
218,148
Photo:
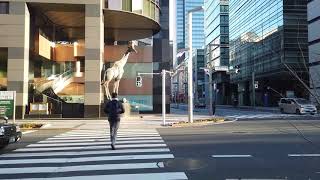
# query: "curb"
199,124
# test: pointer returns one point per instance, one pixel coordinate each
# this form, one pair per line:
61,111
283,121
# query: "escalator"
47,91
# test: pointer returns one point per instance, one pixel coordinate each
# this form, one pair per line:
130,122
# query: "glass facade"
265,35
197,24
255,38
181,23
217,31
183,6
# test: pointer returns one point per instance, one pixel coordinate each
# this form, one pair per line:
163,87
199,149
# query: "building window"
224,8
127,5
4,7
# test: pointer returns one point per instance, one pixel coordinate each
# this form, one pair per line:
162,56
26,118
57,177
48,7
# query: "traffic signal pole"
163,75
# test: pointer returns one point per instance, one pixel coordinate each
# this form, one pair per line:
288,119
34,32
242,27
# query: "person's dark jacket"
113,109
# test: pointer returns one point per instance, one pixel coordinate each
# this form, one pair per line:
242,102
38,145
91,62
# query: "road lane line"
88,147
81,153
144,176
92,143
65,169
86,159
231,156
304,155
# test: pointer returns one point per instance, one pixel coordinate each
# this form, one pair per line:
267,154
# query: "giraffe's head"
131,46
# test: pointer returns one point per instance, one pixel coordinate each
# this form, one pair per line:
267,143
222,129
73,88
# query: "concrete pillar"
18,54
94,47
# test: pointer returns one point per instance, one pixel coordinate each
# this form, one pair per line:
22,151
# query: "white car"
296,105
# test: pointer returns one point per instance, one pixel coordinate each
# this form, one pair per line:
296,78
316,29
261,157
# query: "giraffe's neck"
124,59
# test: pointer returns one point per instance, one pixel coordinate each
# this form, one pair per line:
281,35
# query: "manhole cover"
185,164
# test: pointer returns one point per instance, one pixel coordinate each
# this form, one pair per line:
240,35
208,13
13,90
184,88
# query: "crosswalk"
86,154
264,116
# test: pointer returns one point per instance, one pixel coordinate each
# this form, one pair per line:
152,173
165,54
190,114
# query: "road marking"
87,159
81,168
27,132
304,155
80,153
89,147
145,176
102,134
92,143
99,140
231,156
97,137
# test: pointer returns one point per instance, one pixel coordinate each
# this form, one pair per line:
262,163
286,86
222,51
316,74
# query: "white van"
296,105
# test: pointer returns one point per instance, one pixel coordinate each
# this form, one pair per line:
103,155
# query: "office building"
217,46
268,44
54,53
314,46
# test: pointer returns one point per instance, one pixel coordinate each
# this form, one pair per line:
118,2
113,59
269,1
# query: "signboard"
221,68
7,101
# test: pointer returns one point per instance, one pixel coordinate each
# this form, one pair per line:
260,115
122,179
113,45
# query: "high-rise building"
217,41
183,6
269,46
197,24
314,45
181,23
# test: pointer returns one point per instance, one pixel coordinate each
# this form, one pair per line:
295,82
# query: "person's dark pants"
114,126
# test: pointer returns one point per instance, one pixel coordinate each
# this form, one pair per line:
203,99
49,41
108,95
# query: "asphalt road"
247,150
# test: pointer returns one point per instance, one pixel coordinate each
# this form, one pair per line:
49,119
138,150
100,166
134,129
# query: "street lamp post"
190,78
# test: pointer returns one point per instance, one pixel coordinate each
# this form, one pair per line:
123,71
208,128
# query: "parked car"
296,105
9,133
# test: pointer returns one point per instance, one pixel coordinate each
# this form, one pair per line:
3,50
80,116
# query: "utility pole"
210,84
163,73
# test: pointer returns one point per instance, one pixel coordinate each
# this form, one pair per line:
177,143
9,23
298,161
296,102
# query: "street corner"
201,122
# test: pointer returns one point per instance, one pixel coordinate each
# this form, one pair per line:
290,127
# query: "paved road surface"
247,150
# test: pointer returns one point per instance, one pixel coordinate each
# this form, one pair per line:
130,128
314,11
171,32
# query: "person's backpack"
114,108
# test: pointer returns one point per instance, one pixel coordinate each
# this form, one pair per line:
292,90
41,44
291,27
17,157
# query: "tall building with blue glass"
181,23
269,44
216,43
183,6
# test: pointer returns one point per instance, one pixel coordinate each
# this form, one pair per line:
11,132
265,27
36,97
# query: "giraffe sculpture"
116,71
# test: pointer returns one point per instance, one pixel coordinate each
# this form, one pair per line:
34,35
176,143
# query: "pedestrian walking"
113,109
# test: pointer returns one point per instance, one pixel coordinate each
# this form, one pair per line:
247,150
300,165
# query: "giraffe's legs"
106,88
116,86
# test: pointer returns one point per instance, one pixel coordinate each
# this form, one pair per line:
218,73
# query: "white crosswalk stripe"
86,154
262,116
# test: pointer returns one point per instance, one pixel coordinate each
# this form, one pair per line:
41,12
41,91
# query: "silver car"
296,105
